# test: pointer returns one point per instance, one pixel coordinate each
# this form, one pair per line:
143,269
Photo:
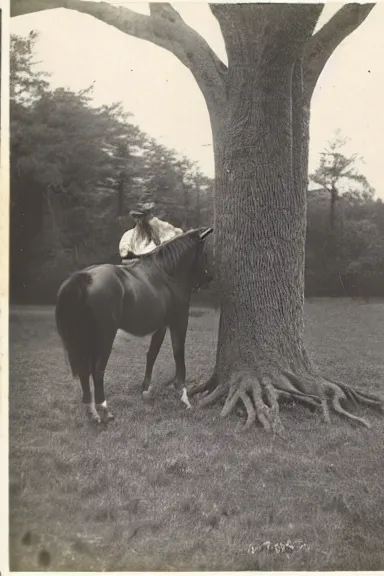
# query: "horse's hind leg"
87,396
154,348
104,352
178,329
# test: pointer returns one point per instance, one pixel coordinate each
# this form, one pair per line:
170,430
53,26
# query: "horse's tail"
74,322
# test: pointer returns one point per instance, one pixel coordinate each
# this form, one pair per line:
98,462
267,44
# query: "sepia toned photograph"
196,286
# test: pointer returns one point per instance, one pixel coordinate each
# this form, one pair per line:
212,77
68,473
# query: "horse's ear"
204,232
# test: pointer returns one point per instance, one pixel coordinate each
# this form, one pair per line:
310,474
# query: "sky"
78,50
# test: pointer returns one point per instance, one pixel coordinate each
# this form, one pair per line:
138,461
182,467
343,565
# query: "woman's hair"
148,232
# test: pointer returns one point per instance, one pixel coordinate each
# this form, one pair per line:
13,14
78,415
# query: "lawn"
163,488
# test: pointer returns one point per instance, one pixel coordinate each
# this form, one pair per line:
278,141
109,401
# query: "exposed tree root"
213,396
260,396
251,412
337,392
357,396
309,402
245,387
205,386
310,383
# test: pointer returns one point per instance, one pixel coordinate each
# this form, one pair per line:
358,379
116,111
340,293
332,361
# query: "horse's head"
183,260
201,276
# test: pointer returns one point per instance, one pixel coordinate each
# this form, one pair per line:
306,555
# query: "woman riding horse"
148,232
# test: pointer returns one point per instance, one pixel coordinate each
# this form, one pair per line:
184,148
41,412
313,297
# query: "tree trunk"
261,141
332,214
331,244
260,225
260,228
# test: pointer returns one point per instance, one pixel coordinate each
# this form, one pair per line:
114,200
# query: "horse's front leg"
154,349
178,333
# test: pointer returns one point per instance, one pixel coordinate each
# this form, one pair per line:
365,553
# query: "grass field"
162,488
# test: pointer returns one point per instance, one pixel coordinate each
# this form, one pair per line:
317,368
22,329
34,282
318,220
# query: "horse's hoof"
185,399
110,416
145,386
147,395
94,417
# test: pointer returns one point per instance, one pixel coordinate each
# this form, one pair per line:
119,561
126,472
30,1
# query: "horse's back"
105,279
132,297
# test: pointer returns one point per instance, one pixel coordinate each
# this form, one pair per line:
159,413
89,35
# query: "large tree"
259,107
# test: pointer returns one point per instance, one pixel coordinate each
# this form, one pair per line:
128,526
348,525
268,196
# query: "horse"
145,296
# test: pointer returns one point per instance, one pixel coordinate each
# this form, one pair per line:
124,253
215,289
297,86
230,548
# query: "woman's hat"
142,209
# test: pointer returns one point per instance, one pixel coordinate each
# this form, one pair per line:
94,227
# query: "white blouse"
134,241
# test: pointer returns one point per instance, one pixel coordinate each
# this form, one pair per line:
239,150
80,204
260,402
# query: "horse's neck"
176,265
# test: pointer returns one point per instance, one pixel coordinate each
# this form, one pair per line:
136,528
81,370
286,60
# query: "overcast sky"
166,102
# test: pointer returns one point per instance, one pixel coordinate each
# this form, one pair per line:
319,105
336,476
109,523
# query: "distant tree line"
76,169
345,231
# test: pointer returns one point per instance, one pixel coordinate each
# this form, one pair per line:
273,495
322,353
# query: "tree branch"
322,44
165,10
164,27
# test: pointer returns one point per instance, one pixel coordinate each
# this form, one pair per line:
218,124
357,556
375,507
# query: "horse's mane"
165,258
167,255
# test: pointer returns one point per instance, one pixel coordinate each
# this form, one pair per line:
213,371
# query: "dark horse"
142,297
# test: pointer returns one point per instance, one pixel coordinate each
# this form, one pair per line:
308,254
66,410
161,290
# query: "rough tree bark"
259,108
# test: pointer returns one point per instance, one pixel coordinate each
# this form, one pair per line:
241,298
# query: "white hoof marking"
104,407
93,413
185,399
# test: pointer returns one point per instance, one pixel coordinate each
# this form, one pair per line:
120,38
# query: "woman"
148,232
